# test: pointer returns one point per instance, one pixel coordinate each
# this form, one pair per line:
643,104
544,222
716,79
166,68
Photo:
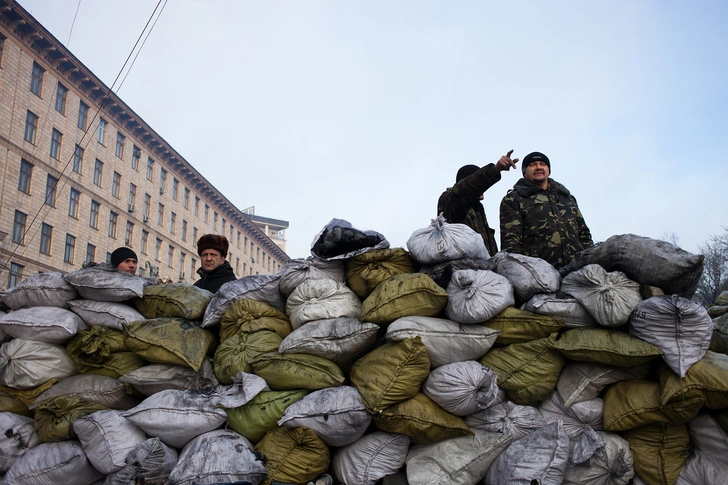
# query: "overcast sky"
365,110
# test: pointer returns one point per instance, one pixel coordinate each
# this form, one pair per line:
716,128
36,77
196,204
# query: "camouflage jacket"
545,224
460,204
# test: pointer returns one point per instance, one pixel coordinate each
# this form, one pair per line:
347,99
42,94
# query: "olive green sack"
234,354
173,300
294,455
296,371
659,451
248,315
261,414
101,351
54,418
411,294
519,326
606,346
366,271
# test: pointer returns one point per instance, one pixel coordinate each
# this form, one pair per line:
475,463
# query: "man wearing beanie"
460,204
540,217
214,270
124,259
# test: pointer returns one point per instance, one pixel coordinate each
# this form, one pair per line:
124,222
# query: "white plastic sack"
296,271
582,381
98,389
336,414
103,282
609,297
457,461
41,289
263,288
107,438
680,327
104,313
53,325
319,300
446,341
477,296
151,461
567,309
508,418
528,276
17,436
370,458
708,437
462,388
611,464
25,364
62,463
153,378
700,469
581,421
441,241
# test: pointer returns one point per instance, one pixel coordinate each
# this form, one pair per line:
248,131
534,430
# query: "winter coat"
545,224
213,280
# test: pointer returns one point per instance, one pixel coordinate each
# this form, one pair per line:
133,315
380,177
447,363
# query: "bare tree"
671,237
715,269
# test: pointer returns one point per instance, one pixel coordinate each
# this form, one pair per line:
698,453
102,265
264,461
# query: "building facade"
82,174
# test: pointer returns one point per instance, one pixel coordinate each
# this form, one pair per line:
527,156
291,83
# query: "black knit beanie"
535,157
122,254
465,171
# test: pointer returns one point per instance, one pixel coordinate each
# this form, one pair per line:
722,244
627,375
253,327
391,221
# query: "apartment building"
82,174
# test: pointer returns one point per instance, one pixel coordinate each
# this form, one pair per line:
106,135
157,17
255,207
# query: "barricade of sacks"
434,363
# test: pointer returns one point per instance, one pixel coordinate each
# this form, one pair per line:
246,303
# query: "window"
170,255
120,141
31,125
182,258
101,133
90,253
73,203
186,198
150,168
16,274
147,206
2,47
237,265
175,188
237,244
70,249
197,206
194,236
50,193
172,222
132,196
108,257
113,218
78,159
157,248
19,227
193,263
214,221
56,137
82,115
46,233
136,154
207,211
26,172
160,214
129,235
162,181
36,79
61,94
116,184
223,226
184,230
94,219
145,241
245,244
98,172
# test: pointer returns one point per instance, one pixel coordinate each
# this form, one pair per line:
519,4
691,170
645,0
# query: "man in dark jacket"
214,270
541,218
460,204
125,259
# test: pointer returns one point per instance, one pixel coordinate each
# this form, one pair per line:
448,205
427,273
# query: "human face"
129,265
537,173
211,259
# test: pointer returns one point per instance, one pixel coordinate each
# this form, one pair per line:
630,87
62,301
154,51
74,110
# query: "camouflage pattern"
460,204
545,224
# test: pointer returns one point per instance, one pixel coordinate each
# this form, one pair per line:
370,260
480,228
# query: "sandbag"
234,354
508,418
341,340
25,364
581,423
567,309
605,346
391,373
647,261
609,297
445,341
151,462
708,438
442,241
410,294
296,271
103,390
518,326
54,418
263,288
611,464
103,282
104,313
337,415
659,451
678,326
12,404
261,414
441,272
370,458
457,461
293,455
321,299
17,436
101,350
248,315
582,381
296,371
366,271
719,340
702,470
462,388
340,240
150,379
27,396
63,463
53,325
40,289
180,300
706,379
529,276
477,296
107,438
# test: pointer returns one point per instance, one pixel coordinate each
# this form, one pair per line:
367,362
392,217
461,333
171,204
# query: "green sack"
179,300
659,451
234,354
605,346
248,315
518,326
411,294
528,371
12,404
54,418
295,455
706,379
169,341
101,351
719,342
422,420
27,396
365,271
297,371
261,414
391,373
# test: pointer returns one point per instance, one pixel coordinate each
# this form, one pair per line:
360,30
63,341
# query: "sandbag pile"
357,363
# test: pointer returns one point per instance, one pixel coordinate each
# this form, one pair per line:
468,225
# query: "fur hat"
122,254
535,157
213,241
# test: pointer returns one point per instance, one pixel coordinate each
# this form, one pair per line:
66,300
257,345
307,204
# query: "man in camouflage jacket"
460,204
541,218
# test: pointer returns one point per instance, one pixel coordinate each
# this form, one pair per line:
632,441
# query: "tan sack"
293,455
366,271
518,326
605,346
55,417
410,294
707,379
659,451
296,371
248,315
179,300
234,354
101,350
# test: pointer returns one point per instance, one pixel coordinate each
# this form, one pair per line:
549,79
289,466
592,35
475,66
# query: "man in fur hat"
214,270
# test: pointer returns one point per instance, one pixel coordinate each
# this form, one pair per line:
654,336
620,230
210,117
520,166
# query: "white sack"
62,463
581,421
95,388
25,364
107,438
151,461
708,437
529,276
296,271
582,381
609,297
441,241
319,300
53,325
17,436
370,458
103,282
458,461
508,418
153,378
104,313
263,288
41,289
567,309
700,469
462,388
336,414
611,465
477,296
681,328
